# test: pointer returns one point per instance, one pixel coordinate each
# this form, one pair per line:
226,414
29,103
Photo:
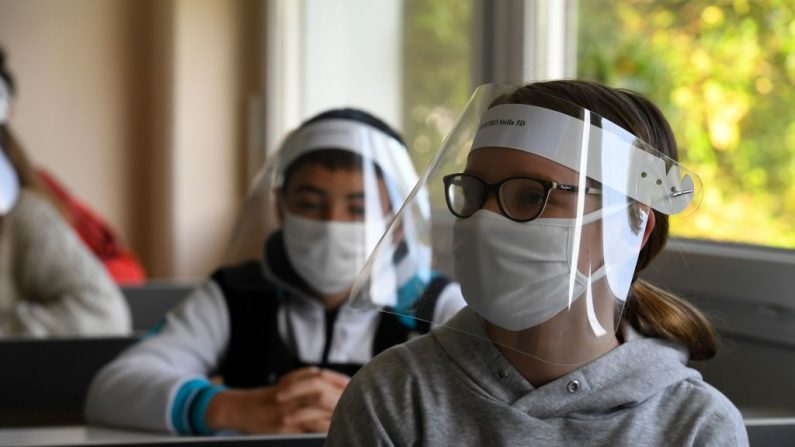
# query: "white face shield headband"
650,178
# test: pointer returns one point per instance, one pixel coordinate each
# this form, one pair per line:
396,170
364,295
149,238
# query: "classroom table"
82,435
763,432
770,431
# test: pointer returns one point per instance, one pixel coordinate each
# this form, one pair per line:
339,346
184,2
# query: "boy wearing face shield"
275,324
561,193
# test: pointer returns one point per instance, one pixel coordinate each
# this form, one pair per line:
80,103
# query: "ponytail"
654,312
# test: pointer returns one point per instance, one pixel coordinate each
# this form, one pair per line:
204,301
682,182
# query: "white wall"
331,54
352,56
207,112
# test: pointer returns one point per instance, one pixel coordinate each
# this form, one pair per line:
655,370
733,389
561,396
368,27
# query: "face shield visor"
545,207
322,203
9,184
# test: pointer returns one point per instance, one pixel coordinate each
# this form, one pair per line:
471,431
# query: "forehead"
318,174
496,163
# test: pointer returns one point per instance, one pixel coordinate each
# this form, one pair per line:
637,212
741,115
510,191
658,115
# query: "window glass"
723,73
437,78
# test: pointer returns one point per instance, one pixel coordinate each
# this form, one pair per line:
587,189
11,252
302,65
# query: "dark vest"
257,356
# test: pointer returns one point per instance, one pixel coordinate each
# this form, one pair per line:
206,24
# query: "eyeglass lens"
520,198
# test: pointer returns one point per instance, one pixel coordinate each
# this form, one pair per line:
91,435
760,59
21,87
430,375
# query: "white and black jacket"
245,328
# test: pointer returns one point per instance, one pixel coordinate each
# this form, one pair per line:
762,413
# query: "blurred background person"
50,285
278,327
121,263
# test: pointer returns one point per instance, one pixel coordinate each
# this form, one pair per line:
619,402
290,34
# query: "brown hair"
650,310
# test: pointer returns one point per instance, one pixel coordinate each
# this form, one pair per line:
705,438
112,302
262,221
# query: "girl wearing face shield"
560,193
275,323
50,284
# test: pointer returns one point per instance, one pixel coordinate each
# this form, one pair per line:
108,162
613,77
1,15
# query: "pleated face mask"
329,254
516,274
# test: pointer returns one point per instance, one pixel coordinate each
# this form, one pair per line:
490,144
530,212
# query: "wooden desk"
81,435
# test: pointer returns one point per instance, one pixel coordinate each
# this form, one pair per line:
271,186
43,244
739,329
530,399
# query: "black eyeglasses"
521,199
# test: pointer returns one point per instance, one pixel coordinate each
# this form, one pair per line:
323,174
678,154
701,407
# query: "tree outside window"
723,73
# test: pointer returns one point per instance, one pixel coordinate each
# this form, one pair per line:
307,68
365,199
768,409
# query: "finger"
338,379
298,375
306,415
293,404
306,387
328,399
320,425
324,395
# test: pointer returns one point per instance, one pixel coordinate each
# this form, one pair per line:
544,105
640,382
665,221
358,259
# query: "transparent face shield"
320,206
540,212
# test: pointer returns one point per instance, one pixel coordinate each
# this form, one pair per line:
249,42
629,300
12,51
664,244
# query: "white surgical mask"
329,254
516,275
9,184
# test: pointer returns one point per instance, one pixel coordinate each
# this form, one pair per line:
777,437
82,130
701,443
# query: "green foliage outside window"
436,72
723,73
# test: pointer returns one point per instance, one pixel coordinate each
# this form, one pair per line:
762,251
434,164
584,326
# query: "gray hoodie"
448,388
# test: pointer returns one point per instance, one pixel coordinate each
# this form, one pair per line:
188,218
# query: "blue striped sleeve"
198,408
191,398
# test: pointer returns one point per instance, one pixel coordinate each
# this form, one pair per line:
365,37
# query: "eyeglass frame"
494,188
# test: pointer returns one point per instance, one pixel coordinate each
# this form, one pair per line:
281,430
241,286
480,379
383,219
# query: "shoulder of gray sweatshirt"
450,388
